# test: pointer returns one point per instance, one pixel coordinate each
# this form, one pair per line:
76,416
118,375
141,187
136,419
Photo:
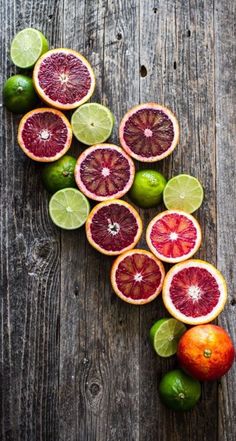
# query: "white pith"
105,171
44,134
138,277
113,228
173,236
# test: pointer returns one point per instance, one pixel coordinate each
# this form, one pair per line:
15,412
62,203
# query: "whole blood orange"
206,352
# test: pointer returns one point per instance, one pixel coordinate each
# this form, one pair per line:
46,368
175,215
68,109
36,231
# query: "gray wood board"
76,364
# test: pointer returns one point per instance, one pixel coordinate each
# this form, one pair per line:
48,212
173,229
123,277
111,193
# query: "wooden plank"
225,62
30,260
176,49
99,370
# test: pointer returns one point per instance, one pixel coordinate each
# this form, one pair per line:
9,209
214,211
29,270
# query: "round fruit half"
194,292
206,352
173,236
137,276
113,227
63,78
44,134
104,171
149,132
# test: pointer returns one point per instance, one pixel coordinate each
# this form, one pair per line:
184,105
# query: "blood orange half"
113,227
149,132
173,236
137,276
104,171
44,134
194,292
63,78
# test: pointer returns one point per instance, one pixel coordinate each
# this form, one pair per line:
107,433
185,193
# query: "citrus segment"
149,132
113,227
64,78
69,208
92,123
183,192
173,236
44,134
27,46
104,172
194,292
165,335
137,276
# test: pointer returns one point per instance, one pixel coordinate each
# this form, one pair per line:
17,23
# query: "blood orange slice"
173,236
149,132
137,276
63,78
194,292
104,171
44,134
113,227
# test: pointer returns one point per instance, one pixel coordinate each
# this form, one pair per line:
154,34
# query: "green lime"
92,123
178,391
19,95
59,174
165,334
69,208
147,188
27,46
183,192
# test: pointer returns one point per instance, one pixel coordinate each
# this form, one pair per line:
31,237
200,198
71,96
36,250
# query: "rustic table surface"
76,364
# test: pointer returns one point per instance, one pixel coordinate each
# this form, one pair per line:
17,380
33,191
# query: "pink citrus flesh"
137,276
194,292
173,236
149,132
63,78
104,171
113,227
44,134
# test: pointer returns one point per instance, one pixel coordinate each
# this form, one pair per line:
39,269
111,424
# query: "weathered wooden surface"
75,361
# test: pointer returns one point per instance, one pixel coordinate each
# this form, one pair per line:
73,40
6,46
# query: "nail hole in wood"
143,71
175,65
233,302
188,33
119,36
76,290
155,10
50,16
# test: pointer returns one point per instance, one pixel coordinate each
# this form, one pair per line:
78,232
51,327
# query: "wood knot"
94,389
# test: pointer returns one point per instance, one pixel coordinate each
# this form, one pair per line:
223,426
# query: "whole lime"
147,188
19,95
178,391
59,174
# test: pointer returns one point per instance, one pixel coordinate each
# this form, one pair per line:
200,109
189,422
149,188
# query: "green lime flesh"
92,123
27,46
69,208
147,188
59,174
183,192
178,391
19,95
164,336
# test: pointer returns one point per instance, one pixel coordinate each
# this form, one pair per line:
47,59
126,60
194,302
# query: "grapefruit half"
137,276
113,227
149,132
194,292
63,78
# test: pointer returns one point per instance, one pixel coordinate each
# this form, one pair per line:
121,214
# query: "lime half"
27,46
92,123
165,334
69,208
183,192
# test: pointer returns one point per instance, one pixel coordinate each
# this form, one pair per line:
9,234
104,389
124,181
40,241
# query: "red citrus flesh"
44,134
137,276
194,292
64,78
104,171
113,227
149,132
173,236
206,352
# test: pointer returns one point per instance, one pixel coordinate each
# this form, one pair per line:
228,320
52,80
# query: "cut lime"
165,334
69,208
92,123
183,192
27,46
